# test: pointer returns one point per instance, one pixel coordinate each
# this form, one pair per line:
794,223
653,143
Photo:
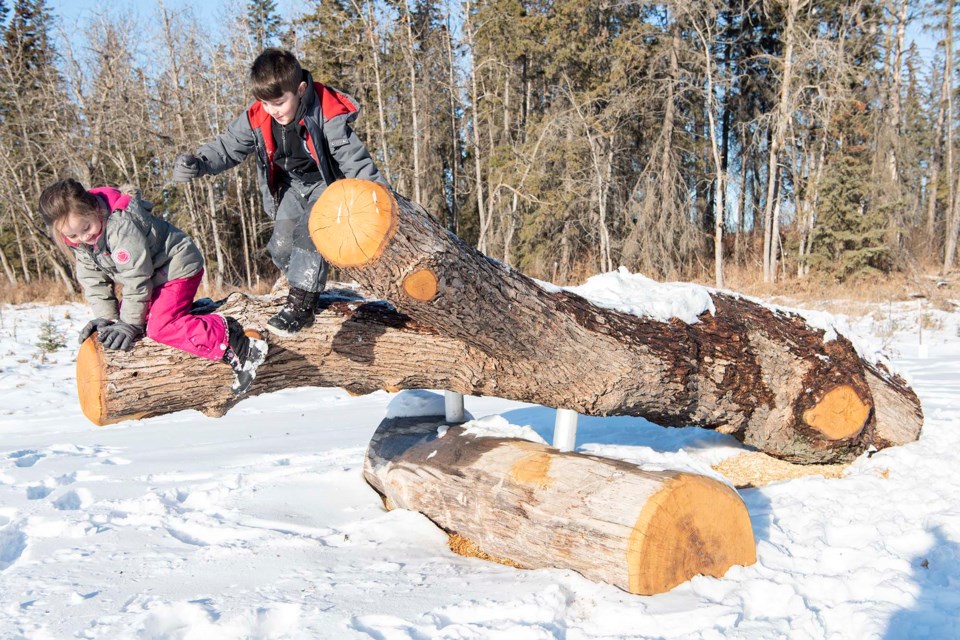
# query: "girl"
116,239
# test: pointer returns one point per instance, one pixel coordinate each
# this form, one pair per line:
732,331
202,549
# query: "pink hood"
116,199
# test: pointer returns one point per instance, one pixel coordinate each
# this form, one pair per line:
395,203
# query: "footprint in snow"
38,491
26,457
13,542
74,500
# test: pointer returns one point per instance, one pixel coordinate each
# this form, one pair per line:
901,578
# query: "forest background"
726,141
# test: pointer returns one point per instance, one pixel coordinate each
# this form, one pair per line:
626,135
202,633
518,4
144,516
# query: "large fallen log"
356,344
645,532
765,376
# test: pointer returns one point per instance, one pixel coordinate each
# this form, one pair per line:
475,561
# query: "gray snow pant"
290,246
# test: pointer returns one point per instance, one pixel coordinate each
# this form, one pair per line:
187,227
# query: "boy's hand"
186,167
120,335
93,326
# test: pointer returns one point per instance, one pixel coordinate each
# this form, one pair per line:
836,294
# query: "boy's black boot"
244,354
296,314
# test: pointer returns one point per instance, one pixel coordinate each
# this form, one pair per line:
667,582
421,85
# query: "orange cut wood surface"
353,221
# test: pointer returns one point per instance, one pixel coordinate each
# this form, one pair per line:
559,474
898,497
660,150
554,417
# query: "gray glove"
91,327
186,167
120,335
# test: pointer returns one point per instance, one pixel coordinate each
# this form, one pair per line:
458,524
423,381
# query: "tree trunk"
454,91
244,232
770,225
760,374
894,114
952,234
947,97
719,213
7,269
21,252
645,532
215,232
477,159
936,158
414,110
378,82
356,344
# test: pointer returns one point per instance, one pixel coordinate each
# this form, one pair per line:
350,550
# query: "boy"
300,132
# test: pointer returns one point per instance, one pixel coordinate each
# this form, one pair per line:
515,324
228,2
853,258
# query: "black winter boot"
296,314
244,354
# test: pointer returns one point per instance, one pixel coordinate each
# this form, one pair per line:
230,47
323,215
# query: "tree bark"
706,37
645,532
356,344
480,328
779,129
763,375
484,218
414,109
933,172
7,269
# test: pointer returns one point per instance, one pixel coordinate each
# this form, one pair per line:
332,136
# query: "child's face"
284,108
81,229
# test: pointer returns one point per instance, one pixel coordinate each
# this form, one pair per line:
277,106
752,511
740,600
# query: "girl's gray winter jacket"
136,250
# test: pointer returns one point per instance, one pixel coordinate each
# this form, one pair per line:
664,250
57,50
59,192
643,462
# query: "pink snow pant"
169,321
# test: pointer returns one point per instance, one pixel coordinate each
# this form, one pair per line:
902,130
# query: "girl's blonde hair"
61,199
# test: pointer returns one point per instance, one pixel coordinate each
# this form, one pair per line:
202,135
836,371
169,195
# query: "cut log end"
694,525
421,285
90,381
839,415
353,221
91,386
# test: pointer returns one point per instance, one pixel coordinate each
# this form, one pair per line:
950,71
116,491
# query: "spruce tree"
50,338
263,22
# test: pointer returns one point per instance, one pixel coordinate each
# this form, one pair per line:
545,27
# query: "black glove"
120,335
91,327
186,167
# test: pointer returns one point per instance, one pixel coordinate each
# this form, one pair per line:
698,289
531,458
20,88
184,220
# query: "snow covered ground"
259,524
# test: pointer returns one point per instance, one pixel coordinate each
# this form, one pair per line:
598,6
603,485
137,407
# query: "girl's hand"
92,327
120,335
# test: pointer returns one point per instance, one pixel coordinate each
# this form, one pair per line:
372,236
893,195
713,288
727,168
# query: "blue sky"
77,13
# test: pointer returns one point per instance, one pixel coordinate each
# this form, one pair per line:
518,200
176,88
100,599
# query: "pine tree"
263,22
850,238
50,338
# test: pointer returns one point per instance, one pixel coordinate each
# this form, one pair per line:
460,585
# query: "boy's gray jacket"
330,140
139,252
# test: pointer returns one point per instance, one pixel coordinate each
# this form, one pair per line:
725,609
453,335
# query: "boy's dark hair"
274,72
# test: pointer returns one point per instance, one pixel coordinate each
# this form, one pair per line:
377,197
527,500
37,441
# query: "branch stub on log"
421,285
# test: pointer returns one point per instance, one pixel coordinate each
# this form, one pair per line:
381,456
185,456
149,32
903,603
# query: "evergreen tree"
263,22
50,338
850,239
